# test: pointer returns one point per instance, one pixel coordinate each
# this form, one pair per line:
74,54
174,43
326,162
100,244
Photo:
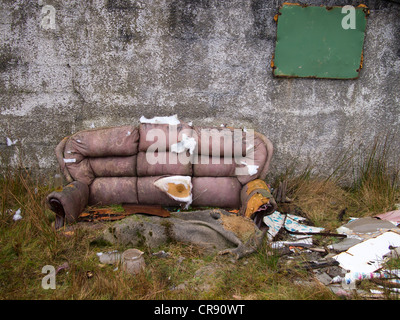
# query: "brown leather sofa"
129,164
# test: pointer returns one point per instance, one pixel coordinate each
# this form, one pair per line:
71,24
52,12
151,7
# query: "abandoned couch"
172,165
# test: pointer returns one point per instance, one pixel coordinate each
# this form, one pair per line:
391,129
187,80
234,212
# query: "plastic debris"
392,216
133,261
161,254
352,277
11,142
64,266
110,257
171,120
344,244
17,216
276,221
367,256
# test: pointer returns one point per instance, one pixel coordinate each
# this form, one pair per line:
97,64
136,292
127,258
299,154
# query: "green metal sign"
319,41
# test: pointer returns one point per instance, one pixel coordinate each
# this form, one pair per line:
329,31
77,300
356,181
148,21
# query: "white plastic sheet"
367,256
171,120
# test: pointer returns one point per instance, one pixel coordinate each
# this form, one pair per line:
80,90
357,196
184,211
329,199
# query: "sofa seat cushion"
149,193
221,192
113,190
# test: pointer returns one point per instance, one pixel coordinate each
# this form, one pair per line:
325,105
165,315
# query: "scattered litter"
367,256
133,261
392,216
110,257
161,254
187,143
304,242
180,259
171,120
344,244
92,125
17,216
352,277
394,253
363,228
11,142
276,221
64,266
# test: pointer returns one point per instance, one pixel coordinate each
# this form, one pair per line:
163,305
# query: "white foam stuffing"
69,160
171,120
187,143
11,142
17,216
162,184
251,169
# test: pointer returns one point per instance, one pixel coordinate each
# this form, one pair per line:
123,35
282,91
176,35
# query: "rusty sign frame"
317,42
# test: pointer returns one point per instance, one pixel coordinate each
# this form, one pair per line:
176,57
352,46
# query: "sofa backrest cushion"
128,151
114,166
160,137
90,153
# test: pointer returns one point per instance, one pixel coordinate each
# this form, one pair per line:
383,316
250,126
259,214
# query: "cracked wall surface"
98,63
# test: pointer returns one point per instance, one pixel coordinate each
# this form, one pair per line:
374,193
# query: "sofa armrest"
270,149
256,201
69,203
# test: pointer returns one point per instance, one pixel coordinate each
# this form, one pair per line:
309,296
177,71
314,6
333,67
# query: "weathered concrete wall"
108,62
